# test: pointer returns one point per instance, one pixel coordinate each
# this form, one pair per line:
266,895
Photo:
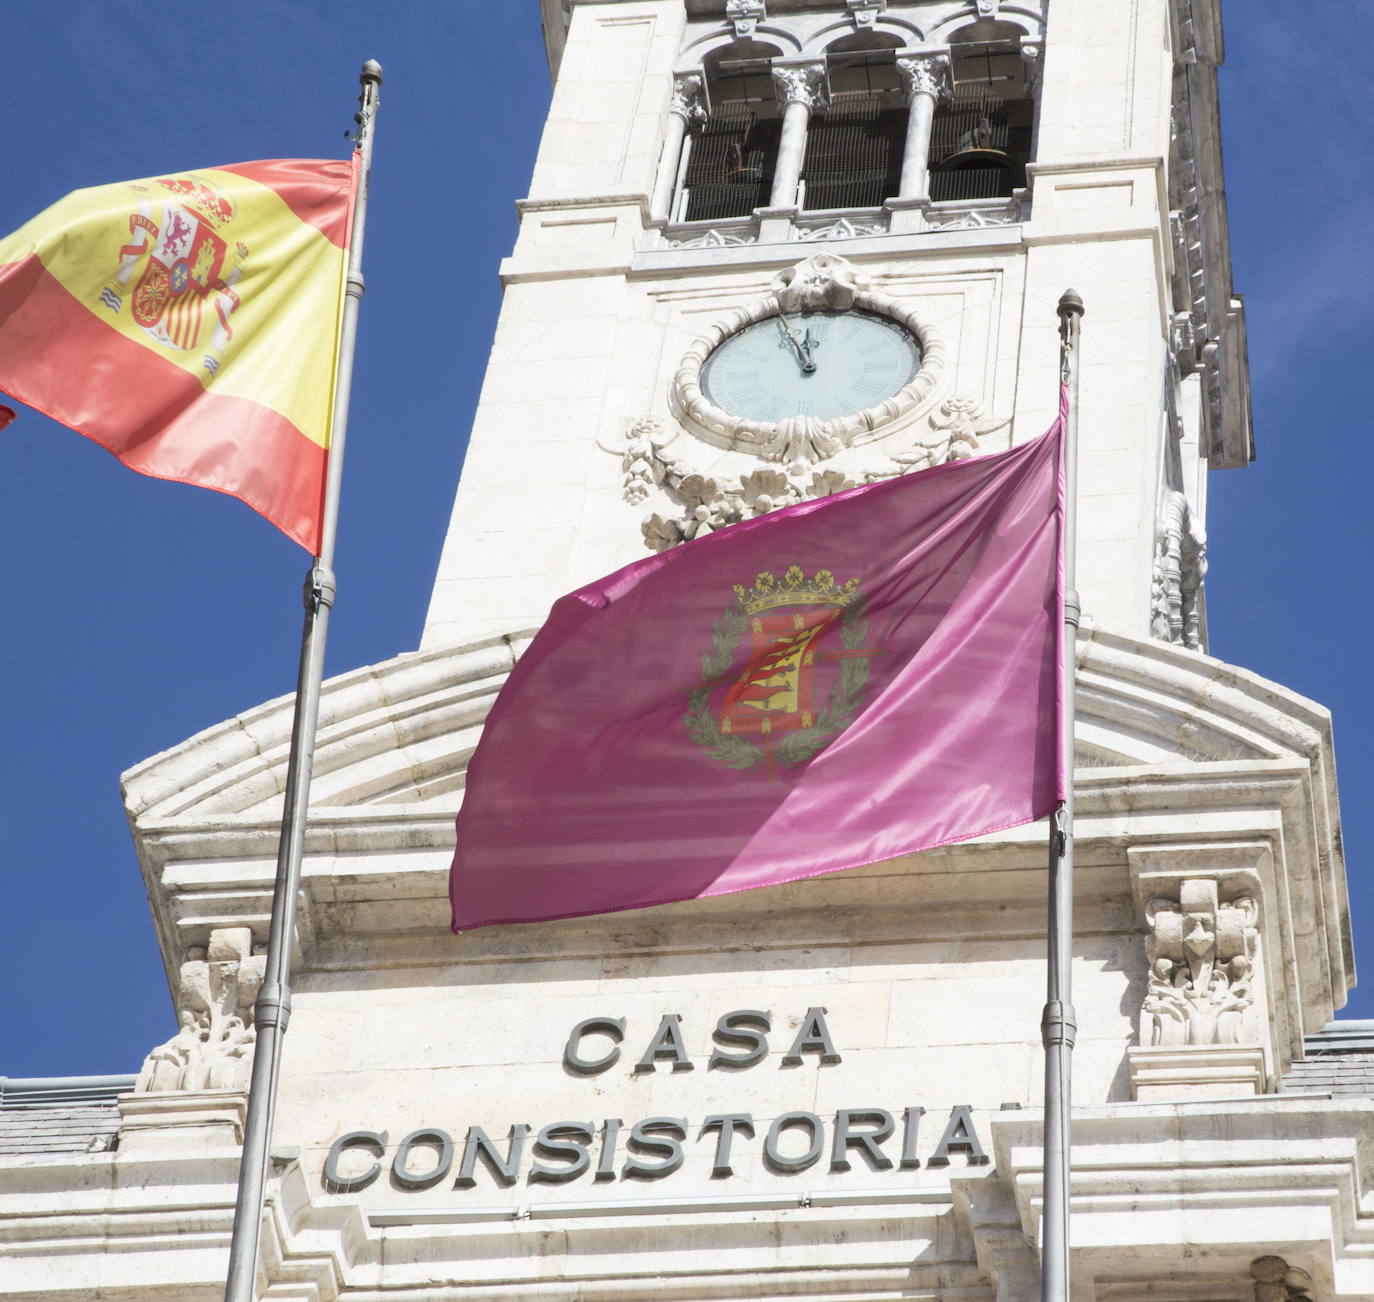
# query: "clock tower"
773,248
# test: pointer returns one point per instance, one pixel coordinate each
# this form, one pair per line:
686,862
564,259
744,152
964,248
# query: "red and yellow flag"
189,324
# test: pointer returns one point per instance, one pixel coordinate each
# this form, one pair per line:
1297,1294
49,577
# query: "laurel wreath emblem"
792,748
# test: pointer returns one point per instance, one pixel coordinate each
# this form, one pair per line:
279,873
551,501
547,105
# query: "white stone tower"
771,248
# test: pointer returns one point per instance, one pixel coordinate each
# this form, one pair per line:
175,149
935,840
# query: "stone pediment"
1181,759
398,734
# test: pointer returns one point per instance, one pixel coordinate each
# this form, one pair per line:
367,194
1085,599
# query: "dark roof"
76,1128
1339,1059
63,1114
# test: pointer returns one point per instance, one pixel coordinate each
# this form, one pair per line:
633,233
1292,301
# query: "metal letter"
405,1179
728,1123
610,1132
814,1037
576,1149
912,1122
812,1155
612,1026
336,1183
667,1043
961,1137
504,1169
732,1029
844,1139
642,1138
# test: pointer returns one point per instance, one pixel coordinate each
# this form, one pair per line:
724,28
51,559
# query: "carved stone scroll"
213,1049
1277,1281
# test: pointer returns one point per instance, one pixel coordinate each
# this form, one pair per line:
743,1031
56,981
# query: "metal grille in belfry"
854,155
730,168
979,144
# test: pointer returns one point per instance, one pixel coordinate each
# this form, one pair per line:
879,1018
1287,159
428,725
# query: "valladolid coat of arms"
786,672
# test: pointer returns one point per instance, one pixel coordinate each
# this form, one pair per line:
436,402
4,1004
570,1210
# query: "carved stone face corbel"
1200,1019
213,1049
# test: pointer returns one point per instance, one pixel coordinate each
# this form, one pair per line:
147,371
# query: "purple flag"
826,686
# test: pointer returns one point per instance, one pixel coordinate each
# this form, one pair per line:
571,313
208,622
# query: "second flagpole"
272,1010
1058,1024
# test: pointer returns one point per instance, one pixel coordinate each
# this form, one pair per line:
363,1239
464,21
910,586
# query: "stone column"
925,78
687,108
801,89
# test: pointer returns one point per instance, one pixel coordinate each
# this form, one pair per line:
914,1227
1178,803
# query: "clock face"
818,364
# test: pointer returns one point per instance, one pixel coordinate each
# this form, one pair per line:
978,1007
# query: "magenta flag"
826,686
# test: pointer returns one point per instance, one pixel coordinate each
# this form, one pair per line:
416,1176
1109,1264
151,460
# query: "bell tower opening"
981,137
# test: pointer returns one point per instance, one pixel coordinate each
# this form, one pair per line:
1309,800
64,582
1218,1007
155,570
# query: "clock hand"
803,346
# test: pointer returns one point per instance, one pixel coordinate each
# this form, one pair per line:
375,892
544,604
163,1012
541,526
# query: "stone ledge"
1195,1071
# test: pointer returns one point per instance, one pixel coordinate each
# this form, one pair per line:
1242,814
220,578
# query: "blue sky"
140,612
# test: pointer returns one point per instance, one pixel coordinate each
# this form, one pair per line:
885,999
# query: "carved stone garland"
214,1047
1180,565
1202,968
824,282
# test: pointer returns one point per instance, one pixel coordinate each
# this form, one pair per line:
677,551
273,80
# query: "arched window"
981,139
729,167
854,149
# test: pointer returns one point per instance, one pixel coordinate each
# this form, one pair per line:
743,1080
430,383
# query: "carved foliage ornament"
824,282
707,503
1202,968
689,97
213,1049
800,83
925,74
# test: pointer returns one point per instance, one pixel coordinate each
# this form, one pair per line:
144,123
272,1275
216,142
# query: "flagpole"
1058,1023
272,1010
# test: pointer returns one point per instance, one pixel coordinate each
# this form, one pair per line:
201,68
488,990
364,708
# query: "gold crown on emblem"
794,589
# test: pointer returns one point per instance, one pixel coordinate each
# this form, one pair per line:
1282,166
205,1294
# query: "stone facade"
829,1088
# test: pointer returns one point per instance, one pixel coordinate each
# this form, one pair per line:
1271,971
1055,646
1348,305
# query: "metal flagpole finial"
370,78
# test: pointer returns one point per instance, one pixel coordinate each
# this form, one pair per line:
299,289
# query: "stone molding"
1196,1071
1251,1178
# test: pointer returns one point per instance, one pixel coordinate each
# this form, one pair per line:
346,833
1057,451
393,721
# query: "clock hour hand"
803,346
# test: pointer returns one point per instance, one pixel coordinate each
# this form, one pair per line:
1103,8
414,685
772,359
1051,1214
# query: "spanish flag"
189,324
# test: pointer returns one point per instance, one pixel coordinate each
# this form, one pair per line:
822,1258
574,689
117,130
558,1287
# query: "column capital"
925,74
800,82
689,97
